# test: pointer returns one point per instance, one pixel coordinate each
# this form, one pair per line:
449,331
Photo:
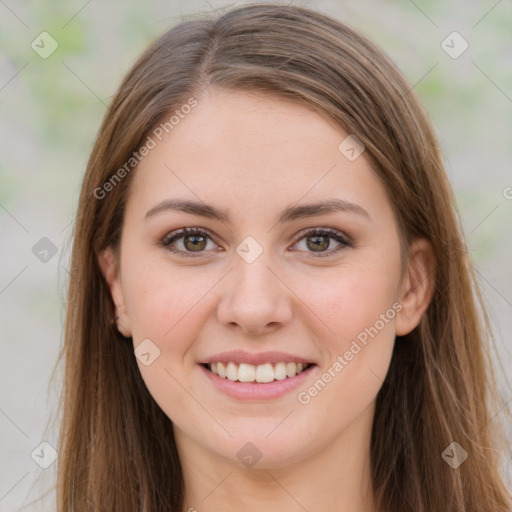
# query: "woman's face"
262,284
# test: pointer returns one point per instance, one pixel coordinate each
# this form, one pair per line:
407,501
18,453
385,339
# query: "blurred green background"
51,109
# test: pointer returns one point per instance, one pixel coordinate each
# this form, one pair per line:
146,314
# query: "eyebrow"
288,214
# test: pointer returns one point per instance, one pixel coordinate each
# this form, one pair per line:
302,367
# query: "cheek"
355,310
350,300
359,353
164,306
160,300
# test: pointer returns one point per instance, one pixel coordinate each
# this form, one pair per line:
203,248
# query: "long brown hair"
117,450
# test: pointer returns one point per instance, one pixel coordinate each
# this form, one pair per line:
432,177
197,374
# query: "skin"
254,155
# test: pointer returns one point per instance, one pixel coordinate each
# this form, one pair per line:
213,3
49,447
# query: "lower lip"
256,390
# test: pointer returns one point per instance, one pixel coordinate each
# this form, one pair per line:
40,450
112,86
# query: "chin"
278,450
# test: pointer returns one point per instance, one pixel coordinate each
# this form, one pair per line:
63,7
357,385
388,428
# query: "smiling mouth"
262,373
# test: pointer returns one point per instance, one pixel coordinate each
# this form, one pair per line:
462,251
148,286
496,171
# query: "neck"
336,478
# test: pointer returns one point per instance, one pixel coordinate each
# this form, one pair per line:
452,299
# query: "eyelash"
181,233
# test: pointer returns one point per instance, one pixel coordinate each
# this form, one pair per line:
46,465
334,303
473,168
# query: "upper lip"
255,358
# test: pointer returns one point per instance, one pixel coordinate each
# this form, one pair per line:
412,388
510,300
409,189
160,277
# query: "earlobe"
417,287
109,267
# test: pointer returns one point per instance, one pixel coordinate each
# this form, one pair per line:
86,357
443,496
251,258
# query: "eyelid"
178,233
335,234
340,237
181,233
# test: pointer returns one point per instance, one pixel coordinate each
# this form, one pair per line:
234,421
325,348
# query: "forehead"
252,152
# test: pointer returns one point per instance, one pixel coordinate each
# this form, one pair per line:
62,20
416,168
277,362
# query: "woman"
271,305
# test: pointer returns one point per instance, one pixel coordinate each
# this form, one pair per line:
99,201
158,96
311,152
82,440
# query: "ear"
417,287
109,267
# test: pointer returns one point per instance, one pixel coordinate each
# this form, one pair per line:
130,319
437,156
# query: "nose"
254,298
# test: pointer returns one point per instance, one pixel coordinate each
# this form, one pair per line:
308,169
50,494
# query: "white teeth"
221,370
232,371
264,373
246,373
260,373
291,369
280,371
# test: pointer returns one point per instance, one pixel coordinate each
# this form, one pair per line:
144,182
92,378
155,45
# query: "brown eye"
187,241
194,242
318,241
